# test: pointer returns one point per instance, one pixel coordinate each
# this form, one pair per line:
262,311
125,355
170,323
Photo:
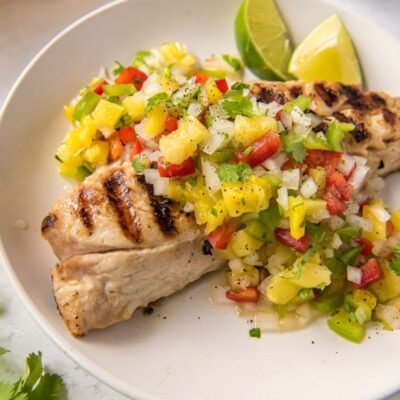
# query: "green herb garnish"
118,69
394,264
237,104
137,165
255,333
155,100
233,172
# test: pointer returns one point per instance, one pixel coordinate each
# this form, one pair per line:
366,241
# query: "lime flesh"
327,53
262,39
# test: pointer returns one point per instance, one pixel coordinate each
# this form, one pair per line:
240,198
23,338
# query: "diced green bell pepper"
349,256
335,134
222,155
303,102
344,325
256,229
348,232
85,105
337,267
316,232
119,90
329,303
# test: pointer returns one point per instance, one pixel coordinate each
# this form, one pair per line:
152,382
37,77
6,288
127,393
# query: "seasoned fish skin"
376,116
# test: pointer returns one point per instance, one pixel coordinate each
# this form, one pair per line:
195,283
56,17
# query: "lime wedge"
262,39
327,53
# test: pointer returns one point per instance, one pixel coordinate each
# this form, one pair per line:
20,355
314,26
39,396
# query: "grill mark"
267,95
160,206
48,222
326,93
361,101
85,210
295,91
120,198
388,116
321,127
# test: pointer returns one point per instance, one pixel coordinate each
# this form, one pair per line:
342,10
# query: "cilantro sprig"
394,264
236,103
233,172
34,384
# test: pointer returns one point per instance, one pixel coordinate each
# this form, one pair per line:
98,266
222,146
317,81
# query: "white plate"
199,351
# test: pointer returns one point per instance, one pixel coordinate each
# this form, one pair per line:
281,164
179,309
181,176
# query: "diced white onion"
329,253
253,259
160,186
286,119
194,109
315,120
154,156
217,295
354,274
360,222
216,111
358,177
213,184
299,118
336,222
301,130
273,108
254,105
107,132
352,208
336,241
281,127
388,313
221,131
189,207
283,198
262,108
380,213
291,178
151,175
308,188
235,265
346,164
360,160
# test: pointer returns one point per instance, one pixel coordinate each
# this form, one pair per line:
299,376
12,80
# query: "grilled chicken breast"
122,247
375,115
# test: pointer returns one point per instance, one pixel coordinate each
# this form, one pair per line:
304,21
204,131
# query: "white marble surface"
25,27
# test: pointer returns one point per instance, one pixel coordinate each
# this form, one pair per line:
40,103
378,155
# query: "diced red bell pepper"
278,115
115,147
366,245
389,228
261,149
132,75
200,77
219,238
222,85
284,236
136,149
127,134
171,124
334,203
248,295
370,273
337,179
321,158
186,168
99,89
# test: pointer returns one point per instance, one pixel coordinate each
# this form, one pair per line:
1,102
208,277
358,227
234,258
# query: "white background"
25,27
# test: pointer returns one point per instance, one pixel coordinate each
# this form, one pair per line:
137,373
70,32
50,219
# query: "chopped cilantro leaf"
192,181
35,383
232,61
213,211
118,69
137,165
233,172
237,104
294,146
240,86
139,58
394,264
255,333
155,100
3,351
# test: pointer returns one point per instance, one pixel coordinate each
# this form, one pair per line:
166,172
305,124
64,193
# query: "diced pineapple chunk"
97,153
396,219
250,196
313,276
281,290
134,106
216,216
155,121
297,214
246,276
243,244
68,110
182,144
378,231
168,86
314,206
107,114
214,95
387,288
69,156
319,176
249,129
175,53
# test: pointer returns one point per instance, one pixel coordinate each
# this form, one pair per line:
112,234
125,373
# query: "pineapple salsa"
303,230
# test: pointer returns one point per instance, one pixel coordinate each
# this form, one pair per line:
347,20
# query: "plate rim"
80,359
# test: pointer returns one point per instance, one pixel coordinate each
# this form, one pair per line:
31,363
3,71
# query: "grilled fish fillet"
122,247
375,115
